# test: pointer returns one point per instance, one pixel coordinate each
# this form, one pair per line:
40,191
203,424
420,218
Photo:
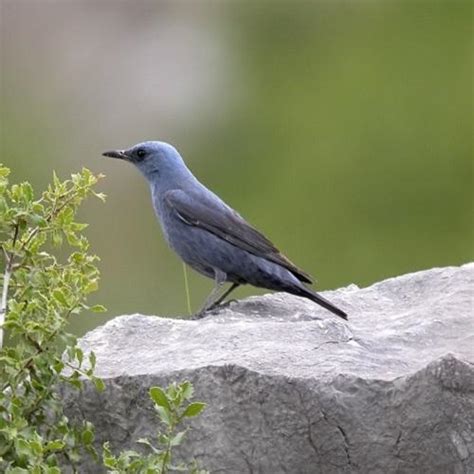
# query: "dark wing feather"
228,225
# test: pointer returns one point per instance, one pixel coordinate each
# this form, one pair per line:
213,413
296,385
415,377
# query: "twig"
3,305
6,282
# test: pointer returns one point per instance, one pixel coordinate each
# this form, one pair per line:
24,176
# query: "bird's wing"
228,225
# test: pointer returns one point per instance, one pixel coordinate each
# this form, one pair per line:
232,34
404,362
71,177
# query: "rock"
291,388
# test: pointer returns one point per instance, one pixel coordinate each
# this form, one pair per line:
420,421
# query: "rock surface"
293,389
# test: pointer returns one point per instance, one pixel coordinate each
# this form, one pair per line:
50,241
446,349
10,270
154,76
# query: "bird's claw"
212,310
199,315
225,304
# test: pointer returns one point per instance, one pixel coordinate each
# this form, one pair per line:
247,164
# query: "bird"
210,236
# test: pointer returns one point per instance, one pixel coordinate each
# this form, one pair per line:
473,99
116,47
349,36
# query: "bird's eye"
141,153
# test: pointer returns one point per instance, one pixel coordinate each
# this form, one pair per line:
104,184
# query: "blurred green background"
341,129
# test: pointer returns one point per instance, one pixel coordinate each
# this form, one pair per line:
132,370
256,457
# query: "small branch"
6,282
15,235
3,304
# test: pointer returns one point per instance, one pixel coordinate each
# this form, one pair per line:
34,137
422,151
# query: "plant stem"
186,288
6,282
167,456
3,304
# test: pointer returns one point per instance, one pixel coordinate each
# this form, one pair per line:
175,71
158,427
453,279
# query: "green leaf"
18,470
75,383
99,384
110,462
56,181
193,409
187,389
58,366
101,196
15,191
36,447
178,438
27,191
88,437
159,397
92,359
22,447
147,443
55,445
79,355
59,297
40,221
98,308
52,470
91,287
72,239
144,441
164,414
4,171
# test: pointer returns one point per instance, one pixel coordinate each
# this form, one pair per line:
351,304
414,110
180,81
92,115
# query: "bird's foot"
212,310
198,315
218,306
225,304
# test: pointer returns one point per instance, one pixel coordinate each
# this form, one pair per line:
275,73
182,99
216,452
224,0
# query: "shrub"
40,292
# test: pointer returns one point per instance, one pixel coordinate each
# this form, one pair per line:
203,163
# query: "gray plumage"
209,235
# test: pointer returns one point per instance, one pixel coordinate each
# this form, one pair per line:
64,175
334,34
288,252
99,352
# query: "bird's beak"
120,154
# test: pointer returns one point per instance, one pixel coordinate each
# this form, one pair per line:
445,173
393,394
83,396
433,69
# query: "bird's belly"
190,244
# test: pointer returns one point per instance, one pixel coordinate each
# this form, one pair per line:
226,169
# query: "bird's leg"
224,295
220,278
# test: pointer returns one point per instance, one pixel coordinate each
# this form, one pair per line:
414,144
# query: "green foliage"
39,294
173,409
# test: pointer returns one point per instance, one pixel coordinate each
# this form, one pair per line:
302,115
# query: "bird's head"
158,161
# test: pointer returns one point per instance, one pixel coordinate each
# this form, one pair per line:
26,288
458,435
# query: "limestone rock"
291,388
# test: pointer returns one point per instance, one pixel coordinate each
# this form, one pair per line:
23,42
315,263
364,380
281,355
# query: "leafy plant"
39,294
173,411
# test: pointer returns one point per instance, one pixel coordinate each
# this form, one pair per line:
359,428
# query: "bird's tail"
317,298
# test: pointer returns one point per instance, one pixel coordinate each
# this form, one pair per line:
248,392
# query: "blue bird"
209,235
